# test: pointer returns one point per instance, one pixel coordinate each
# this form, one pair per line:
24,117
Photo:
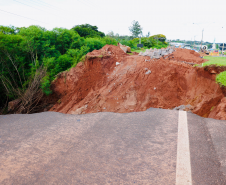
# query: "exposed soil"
112,81
219,111
215,69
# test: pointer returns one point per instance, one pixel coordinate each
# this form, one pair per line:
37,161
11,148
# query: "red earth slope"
112,81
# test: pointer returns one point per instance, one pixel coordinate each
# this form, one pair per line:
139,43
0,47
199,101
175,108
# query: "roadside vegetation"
217,61
31,57
221,78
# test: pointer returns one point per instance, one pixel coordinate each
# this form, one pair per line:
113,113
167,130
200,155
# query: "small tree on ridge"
135,29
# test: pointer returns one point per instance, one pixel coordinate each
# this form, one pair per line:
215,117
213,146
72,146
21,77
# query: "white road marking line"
183,171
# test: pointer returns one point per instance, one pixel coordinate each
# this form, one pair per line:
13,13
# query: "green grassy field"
219,61
221,78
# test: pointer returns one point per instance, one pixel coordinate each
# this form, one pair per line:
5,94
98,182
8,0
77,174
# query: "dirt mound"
112,81
188,55
107,51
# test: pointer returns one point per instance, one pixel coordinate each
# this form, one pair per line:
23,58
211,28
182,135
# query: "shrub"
45,85
110,41
94,43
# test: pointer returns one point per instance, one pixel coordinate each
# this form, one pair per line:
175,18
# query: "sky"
176,19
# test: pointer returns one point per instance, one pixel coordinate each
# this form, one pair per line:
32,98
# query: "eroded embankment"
112,81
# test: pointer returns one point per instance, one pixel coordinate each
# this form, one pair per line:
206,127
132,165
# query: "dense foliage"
155,41
31,58
87,30
25,50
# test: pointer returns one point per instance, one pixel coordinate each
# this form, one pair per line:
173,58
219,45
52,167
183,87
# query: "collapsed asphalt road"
112,148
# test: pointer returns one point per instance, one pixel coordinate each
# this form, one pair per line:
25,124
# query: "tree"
87,30
209,46
135,29
110,34
217,46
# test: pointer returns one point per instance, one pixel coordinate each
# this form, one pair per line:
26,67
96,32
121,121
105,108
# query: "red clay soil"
135,84
188,56
219,111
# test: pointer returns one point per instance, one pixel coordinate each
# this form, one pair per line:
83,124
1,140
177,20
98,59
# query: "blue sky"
177,19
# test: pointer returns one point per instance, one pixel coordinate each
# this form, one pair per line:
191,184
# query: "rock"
126,49
184,107
148,72
80,110
13,104
117,63
213,71
141,54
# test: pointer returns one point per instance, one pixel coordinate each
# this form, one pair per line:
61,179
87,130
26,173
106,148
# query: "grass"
221,78
218,61
138,50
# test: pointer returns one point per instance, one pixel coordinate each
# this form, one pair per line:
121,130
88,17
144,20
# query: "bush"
110,41
160,37
94,43
45,85
150,42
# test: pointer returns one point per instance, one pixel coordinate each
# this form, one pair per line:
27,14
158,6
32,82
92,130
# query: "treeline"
27,52
156,41
191,42
30,58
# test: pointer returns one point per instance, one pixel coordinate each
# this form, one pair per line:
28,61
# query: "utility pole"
194,43
222,48
202,39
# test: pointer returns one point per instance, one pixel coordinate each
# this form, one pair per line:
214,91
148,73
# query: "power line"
46,5
83,3
52,6
22,16
42,5
28,5
89,2
59,8
35,8
39,3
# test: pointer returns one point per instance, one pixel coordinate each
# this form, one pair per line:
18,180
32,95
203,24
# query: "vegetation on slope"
221,78
217,61
31,57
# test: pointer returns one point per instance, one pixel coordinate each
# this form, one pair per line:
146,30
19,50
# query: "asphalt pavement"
112,148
